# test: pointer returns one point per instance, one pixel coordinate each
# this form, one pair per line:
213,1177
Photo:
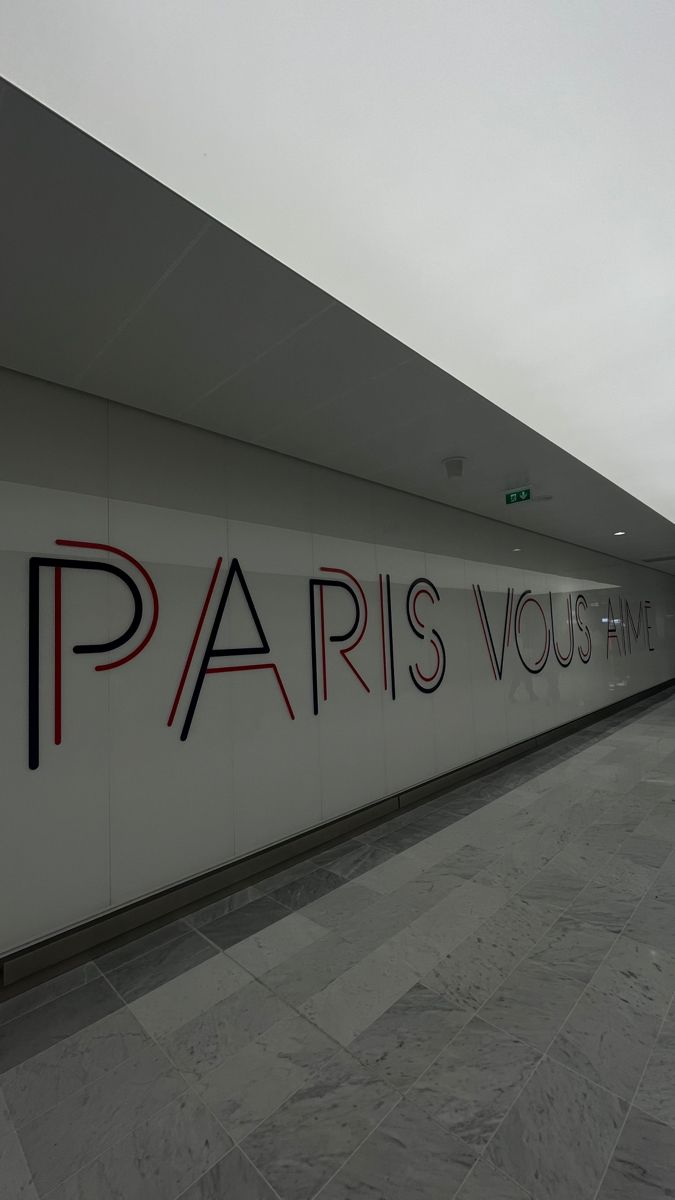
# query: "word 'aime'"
626,629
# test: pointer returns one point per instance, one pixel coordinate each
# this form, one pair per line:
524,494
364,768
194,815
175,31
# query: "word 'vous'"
625,629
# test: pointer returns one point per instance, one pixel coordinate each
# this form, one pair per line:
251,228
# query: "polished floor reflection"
473,1000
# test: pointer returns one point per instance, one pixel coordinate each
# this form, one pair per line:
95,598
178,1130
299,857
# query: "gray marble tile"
266,949
642,975
393,874
418,895
602,837
468,861
643,1164
312,969
402,838
447,924
6,1123
433,822
312,886
523,860
360,859
50,1077
656,1094
233,1178
487,1183
374,832
408,1157
233,927
35,997
402,1043
574,947
337,850
304,1143
272,882
251,1085
354,1000
600,904
134,979
469,975
648,851
204,1042
653,923
158,1160
660,821
607,1040
533,1003
372,926
663,887
557,1139
188,995
136,946
335,910
556,883
54,1021
71,1135
436,820
15,1177
473,1082
227,904
630,878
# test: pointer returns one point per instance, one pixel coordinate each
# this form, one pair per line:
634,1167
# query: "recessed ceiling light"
620,533
516,549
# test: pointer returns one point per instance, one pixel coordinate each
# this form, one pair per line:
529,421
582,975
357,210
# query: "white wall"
123,807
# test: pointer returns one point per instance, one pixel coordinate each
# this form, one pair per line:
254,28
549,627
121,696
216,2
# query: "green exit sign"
518,496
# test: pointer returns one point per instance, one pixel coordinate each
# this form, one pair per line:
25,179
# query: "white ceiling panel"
82,242
491,182
151,304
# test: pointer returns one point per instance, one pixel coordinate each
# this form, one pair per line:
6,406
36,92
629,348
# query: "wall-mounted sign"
518,496
527,623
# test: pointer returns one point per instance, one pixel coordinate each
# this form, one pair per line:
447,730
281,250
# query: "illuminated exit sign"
518,496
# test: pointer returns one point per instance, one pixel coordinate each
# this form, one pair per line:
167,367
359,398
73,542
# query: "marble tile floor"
473,1000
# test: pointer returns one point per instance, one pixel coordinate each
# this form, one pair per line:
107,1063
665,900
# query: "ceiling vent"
454,467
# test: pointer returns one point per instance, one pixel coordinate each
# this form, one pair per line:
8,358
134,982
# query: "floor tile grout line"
629,1108
203,1175
151,1116
144,953
356,1149
236,1145
97,1078
546,1052
489,917
608,952
526,1195
189,1088
670,1012
111,1146
43,1003
311,1075
14,1133
192,1089
543,1054
405,1092
259,1172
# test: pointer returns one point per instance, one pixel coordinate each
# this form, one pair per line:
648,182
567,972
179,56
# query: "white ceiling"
116,286
493,183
